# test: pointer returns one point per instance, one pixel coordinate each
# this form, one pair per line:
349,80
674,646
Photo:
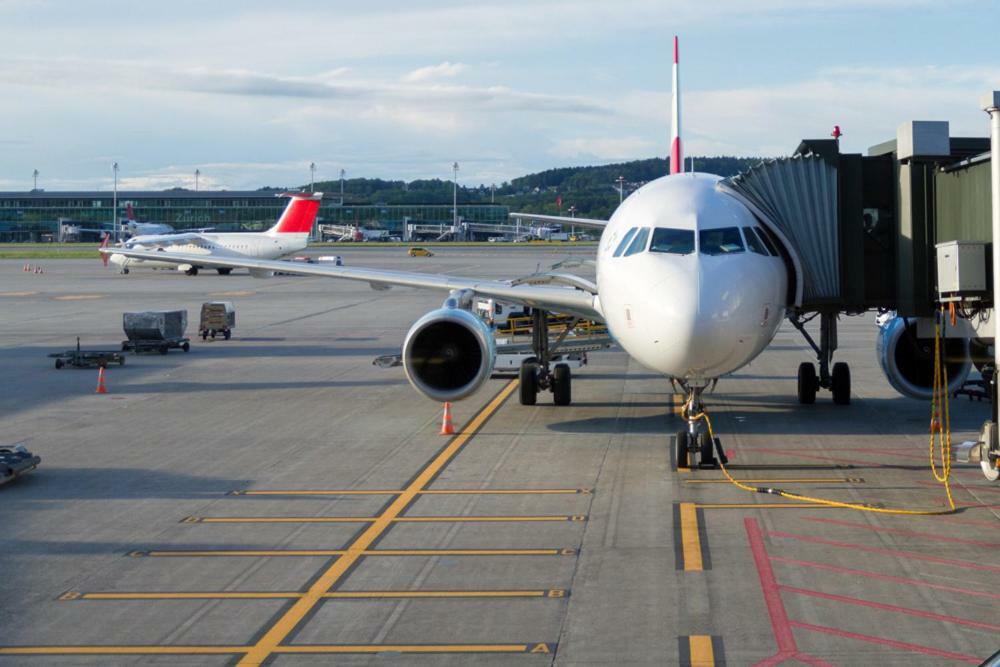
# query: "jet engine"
908,361
448,354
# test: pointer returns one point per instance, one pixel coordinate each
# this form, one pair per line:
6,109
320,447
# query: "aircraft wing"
180,238
567,299
589,223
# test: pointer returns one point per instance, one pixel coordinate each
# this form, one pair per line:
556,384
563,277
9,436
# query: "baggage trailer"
217,318
155,331
16,461
87,358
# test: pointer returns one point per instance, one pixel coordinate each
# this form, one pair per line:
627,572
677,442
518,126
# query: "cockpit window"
673,241
624,244
639,242
753,242
722,241
765,236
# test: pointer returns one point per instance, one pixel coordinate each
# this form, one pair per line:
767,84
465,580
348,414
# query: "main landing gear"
694,441
536,373
838,381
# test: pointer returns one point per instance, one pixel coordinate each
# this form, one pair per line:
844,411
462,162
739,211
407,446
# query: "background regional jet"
290,234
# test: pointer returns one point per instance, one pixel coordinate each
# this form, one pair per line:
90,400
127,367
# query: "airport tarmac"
277,498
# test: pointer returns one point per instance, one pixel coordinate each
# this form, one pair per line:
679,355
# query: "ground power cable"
940,435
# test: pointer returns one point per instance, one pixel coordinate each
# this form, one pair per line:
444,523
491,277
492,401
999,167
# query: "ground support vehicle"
217,318
16,461
87,358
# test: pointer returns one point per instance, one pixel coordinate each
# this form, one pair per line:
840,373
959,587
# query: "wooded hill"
592,191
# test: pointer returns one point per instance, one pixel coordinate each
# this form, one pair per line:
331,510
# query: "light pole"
312,177
493,193
114,202
621,189
572,214
342,172
454,196
197,175
34,176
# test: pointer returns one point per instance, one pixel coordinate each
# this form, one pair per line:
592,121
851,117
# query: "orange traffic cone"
446,426
101,389
37,270
27,267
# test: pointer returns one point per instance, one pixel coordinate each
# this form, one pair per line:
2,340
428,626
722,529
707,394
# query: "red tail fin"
128,212
104,244
676,154
299,215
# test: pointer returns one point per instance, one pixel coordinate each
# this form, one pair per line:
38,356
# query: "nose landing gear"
694,440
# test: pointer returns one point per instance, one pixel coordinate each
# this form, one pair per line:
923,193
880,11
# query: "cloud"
445,69
603,148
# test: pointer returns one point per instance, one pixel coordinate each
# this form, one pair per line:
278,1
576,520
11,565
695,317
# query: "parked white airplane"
689,282
290,234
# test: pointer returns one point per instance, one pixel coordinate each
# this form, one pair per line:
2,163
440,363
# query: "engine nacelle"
448,354
908,361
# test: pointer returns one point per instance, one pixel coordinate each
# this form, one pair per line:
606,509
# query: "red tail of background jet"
299,215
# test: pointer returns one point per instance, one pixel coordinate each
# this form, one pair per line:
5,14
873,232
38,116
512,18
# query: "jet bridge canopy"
797,199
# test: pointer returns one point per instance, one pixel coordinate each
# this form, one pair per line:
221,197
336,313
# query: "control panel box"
961,270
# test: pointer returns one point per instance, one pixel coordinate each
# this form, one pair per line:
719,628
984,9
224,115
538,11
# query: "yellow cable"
945,440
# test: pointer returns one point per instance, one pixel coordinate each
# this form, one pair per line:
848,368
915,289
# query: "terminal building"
39,216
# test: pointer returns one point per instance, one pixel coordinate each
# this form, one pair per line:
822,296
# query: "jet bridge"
861,232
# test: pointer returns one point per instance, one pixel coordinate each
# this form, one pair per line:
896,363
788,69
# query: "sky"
251,93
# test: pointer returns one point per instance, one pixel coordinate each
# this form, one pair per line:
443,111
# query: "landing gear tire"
224,272
125,272
193,271
529,383
807,383
561,385
841,383
706,455
683,442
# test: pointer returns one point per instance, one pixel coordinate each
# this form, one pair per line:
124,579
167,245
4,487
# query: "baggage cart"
217,318
155,331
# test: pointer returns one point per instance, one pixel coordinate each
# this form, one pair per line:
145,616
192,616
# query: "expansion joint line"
288,621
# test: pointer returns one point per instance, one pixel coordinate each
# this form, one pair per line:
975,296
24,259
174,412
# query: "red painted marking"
888,552
885,577
915,648
855,462
675,50
978,488
780,625
908,611
675,156
906,533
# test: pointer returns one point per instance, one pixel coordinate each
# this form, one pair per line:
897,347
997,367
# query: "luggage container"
155,331
217,318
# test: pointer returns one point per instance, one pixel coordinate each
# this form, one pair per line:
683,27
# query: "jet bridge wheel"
841,383
808,383
529,383
561,385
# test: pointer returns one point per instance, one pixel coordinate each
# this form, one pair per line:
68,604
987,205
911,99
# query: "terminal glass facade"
35,216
